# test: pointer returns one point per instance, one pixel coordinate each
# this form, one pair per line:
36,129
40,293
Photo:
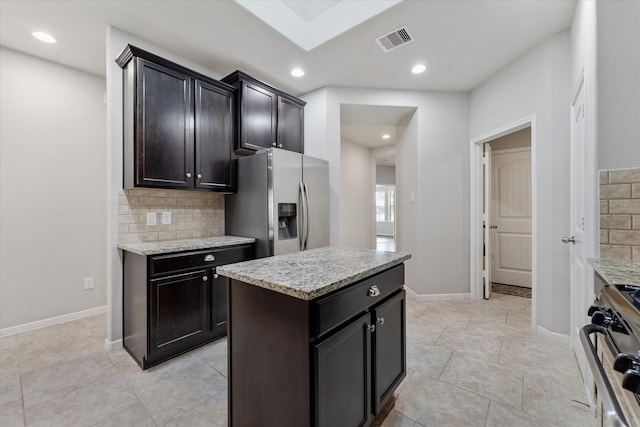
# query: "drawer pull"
209,258
205,278
372,328
381,320
374,291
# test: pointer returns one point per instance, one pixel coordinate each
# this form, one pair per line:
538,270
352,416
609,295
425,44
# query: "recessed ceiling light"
44,37
297,72
386,136
418,68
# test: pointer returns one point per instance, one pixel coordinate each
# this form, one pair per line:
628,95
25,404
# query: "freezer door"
316,178
286,175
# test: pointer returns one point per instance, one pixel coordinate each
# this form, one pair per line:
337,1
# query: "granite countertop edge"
168,246
309,294
617,271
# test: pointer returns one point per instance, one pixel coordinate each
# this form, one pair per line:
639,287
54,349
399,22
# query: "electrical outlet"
166,217
88,283
151,218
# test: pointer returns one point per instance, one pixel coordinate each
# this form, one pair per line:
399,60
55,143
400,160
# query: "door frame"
476,179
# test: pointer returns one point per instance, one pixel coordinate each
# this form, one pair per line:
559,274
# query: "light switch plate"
151,218
166,217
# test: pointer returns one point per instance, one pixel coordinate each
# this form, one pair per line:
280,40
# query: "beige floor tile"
135,415
56,379
212,413
427,359
215,355
431,402
484,349
424,331
396,419
9,356
84,406
10,389
504,416
11,414
492,382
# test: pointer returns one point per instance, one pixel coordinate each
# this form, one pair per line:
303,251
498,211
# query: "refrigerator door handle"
306,215
302,216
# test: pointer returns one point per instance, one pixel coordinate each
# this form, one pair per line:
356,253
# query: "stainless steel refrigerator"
282,200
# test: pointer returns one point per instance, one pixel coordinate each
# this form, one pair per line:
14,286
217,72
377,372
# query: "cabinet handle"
374,291
380,320
209,258
273,144
215,276
188,174
372,328
280,146
199,176
205,278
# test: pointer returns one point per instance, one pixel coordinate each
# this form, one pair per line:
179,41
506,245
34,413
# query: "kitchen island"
316,338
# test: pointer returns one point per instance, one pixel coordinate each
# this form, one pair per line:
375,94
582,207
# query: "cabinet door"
214,133
290,125
164,140
178,311
342,377
258,117
219,289
389,349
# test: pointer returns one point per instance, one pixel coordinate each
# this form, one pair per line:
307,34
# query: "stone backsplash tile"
193,214
620,213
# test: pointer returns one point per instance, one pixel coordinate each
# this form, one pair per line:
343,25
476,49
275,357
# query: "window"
385,203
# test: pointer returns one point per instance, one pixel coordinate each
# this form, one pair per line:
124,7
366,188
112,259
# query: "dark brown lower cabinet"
333,361
175,302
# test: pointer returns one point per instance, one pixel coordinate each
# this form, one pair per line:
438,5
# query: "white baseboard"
112,345
32,326
566,339
435,297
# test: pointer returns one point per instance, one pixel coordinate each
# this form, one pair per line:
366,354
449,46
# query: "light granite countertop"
309,274
617,271
167,246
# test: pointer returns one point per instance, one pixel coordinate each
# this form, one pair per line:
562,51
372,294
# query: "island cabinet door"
219,289
343,377
389,349
178,311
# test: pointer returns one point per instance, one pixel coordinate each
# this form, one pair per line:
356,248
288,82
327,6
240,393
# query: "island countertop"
309,274
167,246
617,271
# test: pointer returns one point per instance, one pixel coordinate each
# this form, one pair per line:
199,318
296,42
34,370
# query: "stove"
612,347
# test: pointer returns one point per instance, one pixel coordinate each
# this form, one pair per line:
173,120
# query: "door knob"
494,227
571,239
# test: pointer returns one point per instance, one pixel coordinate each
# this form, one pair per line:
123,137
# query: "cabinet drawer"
160,264
330,311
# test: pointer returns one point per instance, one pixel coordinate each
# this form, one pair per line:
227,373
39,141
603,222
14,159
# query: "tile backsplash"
193,214
620,214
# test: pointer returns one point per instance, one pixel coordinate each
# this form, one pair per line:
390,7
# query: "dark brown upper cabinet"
267,117
179,125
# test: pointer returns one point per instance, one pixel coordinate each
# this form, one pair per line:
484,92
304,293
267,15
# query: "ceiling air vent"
395,39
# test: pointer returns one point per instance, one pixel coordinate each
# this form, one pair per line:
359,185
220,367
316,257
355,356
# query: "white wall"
537,84
618,80
52,189
116,40
433,164
356,194
385,175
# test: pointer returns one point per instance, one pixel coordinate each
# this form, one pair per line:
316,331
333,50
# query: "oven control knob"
594,309
624,362
601,318
631,381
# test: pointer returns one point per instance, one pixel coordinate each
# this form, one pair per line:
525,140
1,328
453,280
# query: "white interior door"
486,214
511,218
577,254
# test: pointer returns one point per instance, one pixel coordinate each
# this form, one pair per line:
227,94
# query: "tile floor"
470,363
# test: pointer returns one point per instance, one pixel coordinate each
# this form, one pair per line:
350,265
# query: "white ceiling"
462,42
